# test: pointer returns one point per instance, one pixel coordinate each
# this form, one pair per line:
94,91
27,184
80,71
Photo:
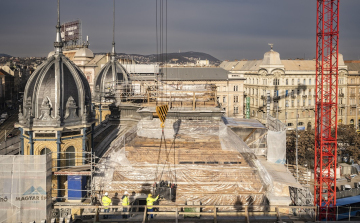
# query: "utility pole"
296,132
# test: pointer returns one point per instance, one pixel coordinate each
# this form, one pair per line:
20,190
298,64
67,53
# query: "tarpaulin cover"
206,159
25,188
276,142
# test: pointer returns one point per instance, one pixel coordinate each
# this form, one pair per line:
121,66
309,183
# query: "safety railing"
176,213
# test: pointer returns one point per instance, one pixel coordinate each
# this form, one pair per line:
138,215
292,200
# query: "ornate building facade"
291,85
56,115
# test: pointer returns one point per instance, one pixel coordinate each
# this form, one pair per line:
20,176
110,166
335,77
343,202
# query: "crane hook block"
162,112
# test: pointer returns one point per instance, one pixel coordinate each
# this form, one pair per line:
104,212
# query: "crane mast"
326,100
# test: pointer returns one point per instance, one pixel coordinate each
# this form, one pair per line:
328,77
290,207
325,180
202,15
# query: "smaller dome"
271,58
51,54
84,52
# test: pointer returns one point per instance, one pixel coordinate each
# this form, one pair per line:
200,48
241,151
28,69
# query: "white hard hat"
126,193
106,193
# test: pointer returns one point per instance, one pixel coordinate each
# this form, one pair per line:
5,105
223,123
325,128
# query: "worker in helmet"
125,202
149,202
106,201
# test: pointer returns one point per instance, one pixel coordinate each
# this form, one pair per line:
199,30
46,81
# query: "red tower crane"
326,97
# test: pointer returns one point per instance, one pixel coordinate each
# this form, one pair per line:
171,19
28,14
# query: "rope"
167,162
158,160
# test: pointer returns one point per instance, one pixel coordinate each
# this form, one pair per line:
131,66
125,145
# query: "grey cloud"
228,29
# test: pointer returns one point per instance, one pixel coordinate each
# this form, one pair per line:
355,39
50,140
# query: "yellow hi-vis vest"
106,201
150,201
125,201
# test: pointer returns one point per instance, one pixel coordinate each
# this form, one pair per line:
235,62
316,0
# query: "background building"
291,84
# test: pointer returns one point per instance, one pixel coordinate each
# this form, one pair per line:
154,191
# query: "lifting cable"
162,110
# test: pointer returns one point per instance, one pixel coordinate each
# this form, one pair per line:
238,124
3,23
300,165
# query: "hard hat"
126,193
150,195
106,193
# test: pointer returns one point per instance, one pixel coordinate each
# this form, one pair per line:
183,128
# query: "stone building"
349,108
7,88
291,84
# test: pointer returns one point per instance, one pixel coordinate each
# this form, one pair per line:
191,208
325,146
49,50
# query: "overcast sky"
226,29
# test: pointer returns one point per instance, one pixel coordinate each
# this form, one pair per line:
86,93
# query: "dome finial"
271,46
113,42
58,44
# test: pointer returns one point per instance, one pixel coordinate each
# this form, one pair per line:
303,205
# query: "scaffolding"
158,93
79,166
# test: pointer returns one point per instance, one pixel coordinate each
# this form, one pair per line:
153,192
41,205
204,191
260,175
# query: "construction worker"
106,201
115,201
125,202
149,202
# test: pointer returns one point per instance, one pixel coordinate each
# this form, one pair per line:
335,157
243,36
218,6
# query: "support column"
21,141
31,142
58,143
84,145
92,137
100,113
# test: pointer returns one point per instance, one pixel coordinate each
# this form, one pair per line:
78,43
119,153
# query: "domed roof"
84,52
109,75
56,94
51,54
271,58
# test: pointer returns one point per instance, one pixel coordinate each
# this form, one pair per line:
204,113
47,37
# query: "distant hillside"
183,57
4,55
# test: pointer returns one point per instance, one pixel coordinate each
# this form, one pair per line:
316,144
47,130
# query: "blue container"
76,187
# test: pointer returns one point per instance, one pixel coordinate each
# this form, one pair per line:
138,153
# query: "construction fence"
25,188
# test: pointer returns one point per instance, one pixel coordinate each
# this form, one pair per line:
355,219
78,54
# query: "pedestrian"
115,201
149,202
125,202
106,201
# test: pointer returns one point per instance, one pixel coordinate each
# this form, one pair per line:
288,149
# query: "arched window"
70,156
45,151
352,122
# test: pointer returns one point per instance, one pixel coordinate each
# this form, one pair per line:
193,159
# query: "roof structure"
95,60
353,66
207,161
194,73
272,60
84,52
57,93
